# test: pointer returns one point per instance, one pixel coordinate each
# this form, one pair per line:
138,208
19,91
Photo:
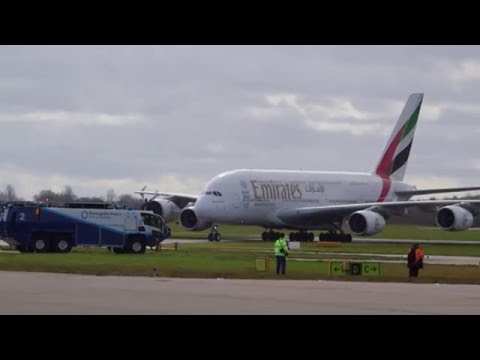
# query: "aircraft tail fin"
393,162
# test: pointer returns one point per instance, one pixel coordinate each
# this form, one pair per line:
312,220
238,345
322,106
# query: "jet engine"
165,208
454,218
190,220
366,222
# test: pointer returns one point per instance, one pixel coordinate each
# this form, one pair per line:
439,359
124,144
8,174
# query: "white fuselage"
254,197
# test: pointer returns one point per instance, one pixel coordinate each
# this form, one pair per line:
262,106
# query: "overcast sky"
172,117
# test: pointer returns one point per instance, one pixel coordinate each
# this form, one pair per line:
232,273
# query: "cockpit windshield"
215,193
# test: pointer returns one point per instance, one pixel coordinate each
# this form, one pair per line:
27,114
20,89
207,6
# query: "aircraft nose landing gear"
214,235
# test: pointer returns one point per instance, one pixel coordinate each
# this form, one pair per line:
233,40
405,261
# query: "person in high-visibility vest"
415,260
281,252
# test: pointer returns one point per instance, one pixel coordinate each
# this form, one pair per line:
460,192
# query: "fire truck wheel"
137,245
41,244
62,245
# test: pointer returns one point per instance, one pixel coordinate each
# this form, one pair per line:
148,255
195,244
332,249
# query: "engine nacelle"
190,220
366,222
454,218
165,208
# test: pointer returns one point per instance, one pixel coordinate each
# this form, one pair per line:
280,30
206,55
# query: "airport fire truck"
31,228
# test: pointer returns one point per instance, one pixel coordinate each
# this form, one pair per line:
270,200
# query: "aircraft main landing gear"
301,236
270,235
333,236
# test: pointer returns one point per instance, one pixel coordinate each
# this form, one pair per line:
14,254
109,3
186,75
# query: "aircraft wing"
434,191
186,197
309,215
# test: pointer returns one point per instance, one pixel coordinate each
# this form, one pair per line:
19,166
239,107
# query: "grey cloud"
194,103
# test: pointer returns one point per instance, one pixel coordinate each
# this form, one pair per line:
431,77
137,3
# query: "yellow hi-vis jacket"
281,248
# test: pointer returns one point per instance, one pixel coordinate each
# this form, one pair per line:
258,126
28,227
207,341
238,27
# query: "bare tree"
111,196
130,201
10,193
46,196
68,194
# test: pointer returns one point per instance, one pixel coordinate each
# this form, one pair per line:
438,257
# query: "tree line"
419,216
67,195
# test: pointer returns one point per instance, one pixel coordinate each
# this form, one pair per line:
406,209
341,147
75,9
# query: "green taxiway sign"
342,268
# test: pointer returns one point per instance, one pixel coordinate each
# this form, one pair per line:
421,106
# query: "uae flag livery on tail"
393,162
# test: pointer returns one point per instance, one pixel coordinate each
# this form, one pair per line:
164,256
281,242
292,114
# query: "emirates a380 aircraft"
302,201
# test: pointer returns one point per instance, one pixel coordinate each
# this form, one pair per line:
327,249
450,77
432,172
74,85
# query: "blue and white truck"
58,229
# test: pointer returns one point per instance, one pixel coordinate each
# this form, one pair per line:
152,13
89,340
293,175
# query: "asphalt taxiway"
48,293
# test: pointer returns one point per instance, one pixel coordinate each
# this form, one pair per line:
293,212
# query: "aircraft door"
236,201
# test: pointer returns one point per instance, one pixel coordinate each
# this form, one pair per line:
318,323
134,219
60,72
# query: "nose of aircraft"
201,206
